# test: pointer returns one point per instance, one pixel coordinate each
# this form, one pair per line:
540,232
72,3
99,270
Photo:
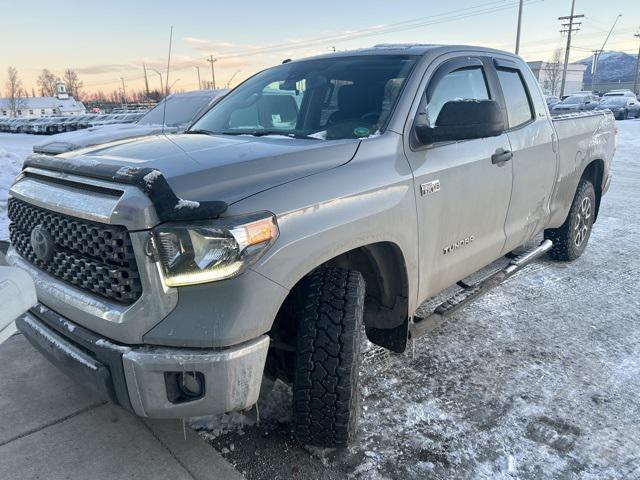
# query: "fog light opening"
184,386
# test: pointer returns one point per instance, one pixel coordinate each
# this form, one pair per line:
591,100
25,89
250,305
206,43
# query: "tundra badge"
430,187
459,244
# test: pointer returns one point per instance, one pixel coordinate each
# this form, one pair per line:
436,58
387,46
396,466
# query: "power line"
474,11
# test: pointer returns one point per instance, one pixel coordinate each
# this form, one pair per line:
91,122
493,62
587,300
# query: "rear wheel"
570,240
325,386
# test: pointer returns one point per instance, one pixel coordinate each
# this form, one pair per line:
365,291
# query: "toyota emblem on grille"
42,244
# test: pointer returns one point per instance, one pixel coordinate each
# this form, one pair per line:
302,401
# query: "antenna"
166,85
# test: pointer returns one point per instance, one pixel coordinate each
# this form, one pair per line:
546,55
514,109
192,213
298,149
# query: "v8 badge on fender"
430,187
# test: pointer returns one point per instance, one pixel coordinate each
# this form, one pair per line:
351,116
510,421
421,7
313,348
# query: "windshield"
329,98
573,100
180,110
614,100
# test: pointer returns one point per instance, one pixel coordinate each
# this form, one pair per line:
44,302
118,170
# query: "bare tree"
14,91
73,83
554,71
47,83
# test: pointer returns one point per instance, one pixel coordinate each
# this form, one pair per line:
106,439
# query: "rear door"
533,144
462,197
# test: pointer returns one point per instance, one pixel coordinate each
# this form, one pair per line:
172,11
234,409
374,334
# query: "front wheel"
326,400
570,240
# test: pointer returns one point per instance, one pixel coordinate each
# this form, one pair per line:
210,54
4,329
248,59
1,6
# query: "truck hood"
66,142
222,167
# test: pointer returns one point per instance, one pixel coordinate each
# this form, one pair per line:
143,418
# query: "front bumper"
138,377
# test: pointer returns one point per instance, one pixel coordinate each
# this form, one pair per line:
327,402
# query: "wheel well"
594,173
386,304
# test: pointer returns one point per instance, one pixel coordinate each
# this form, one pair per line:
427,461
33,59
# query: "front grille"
93,256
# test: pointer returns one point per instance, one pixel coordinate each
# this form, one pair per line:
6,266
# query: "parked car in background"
182,109
575,103
622,107
43,125
619,93
551,100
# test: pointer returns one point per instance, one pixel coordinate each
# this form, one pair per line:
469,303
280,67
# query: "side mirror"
463,120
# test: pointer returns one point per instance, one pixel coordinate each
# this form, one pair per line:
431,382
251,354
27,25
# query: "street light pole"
124,92
171,86
197,67
596,55
635,78
519,27
212,60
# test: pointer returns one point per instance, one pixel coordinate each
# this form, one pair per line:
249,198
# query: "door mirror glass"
463,120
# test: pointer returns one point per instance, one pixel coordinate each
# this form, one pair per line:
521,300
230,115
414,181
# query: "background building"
549,76
34,107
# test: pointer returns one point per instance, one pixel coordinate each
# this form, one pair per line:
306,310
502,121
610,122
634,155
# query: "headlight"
211,250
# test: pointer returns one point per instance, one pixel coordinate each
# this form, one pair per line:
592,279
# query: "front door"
462,197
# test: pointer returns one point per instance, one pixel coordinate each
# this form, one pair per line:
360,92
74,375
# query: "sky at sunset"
104,41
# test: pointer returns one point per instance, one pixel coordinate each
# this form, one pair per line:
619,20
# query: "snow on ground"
537,380
14,148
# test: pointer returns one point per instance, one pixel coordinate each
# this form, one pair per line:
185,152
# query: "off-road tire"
570,240
326,400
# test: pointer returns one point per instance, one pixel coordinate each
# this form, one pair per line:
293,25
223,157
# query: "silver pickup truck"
321,200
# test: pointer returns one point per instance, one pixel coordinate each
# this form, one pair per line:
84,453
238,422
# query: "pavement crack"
166,447
55,422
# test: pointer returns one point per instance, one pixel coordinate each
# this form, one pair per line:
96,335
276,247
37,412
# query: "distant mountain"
612,67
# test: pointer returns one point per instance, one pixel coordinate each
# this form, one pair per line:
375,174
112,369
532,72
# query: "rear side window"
515,96
464,84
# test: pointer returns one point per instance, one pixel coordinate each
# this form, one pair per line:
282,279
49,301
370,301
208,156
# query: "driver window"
466,83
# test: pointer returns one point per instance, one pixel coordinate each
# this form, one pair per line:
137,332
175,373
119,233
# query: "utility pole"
197,67
124,92
519,27
146,81
635,78
596,54
212,60
568,28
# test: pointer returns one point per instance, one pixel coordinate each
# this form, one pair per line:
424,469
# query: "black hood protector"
149,180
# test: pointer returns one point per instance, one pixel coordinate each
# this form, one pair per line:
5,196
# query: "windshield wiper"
201,132
264,133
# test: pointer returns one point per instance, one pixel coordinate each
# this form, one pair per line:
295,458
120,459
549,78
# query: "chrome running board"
423,325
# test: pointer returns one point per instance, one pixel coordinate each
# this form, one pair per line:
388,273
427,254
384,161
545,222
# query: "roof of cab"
417,49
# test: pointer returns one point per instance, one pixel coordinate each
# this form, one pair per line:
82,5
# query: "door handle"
501,156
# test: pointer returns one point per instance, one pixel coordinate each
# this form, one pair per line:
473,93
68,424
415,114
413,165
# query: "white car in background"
181,110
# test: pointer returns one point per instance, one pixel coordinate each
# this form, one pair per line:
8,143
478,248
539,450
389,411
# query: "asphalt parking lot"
539,379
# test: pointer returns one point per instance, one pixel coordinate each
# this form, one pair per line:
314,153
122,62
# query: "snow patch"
14,148
151,177
112,346
186,204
